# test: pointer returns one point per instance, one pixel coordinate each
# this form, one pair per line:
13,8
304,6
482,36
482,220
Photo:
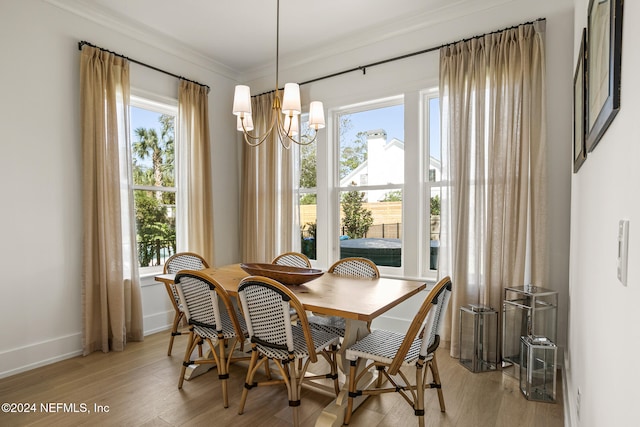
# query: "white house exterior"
384,165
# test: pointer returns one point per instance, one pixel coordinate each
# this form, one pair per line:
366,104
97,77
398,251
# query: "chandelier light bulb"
291,99
248,123
242,100
316,115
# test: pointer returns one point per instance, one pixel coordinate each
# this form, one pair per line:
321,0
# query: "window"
370,168
307,190
434,183
152,138
371,186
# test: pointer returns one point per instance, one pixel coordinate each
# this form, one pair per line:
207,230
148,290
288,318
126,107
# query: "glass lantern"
538,368
478,338
527,310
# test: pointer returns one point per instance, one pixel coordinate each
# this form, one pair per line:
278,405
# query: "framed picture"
604,51
579,107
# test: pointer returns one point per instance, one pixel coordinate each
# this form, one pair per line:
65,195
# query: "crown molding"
393,29
451,11
123,25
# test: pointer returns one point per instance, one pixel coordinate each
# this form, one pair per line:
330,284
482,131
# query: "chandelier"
286,113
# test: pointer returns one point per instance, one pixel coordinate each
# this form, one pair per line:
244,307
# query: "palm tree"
160,149
149,144
153,223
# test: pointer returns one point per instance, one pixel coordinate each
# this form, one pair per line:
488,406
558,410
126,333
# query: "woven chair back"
266,311
292,259
184,261
432,328
199,301
428,322
202,297
355,267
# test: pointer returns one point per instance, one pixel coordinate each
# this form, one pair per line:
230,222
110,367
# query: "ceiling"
241,35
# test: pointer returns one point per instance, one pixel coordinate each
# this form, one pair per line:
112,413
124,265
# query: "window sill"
147,274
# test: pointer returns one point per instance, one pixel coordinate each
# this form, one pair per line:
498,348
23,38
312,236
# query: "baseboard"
22,359
158,322
568,407
32,356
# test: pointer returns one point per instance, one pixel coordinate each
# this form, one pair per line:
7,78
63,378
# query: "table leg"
334,413
195,370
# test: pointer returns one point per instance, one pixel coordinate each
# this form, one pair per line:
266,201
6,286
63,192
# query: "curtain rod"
363,68
82,43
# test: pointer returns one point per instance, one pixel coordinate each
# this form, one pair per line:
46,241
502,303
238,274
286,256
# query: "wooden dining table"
358,300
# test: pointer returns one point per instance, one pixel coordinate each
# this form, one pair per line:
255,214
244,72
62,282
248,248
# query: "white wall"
409,76
604,315
41,170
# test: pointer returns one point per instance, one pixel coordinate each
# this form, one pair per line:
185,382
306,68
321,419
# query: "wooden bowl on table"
290,276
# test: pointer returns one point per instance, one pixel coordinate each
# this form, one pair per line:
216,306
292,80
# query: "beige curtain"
194,228
493,167
112,308
267,191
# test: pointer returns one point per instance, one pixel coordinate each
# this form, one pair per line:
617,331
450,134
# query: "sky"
391,120
145,119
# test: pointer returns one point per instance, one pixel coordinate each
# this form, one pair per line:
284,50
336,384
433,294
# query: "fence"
155,252
382,231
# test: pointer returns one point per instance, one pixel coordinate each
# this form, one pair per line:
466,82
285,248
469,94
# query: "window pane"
371,225
307,195
153,159
372,147
155,226
434,181
434,228
434,139
308,221
152,147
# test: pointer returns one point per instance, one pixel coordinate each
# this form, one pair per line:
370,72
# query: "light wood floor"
139,387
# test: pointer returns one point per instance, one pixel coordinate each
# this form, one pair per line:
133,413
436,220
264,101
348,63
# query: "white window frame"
416,188
336,190
426,97
162,105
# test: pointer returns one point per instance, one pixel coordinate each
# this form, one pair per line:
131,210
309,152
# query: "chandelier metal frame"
285,113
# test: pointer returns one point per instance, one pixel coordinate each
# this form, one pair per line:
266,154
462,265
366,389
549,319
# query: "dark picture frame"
604,59
579,106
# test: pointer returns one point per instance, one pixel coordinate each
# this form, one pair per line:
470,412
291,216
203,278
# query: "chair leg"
352,390
174,330
334,368
191,344
433,365
222,370
249,380
200,348
294,390
418,405
380,370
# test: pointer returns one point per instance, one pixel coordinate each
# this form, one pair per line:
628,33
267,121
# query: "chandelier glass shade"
285,119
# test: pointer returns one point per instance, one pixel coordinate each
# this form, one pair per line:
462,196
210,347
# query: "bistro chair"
266,305
292,259
355,267
389,352
175,263
213,319
349,267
